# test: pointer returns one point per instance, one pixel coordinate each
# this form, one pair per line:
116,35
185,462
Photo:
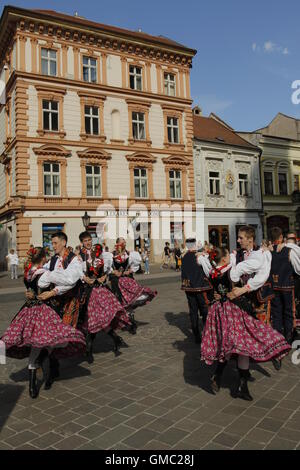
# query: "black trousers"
282,308
197,303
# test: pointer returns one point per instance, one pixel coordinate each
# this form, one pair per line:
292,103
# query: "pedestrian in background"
13,261
146,261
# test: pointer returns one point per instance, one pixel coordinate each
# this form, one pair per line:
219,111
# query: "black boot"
250,378
133,327
216,377
276,363
54,367
242,389
33,390
118,342
89,347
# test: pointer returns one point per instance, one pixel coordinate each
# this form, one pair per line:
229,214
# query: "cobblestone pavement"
155,395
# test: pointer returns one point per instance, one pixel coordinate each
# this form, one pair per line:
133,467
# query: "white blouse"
63,279
294,256
256,262
203,260
135,261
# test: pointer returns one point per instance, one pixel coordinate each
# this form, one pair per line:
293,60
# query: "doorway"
219,235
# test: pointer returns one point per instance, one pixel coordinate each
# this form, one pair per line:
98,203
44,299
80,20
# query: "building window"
50,115
243,185
175,184
173,130
93,181
296,182
170,85
140,182
282,179
89,69
138,126
135,77
268,180
49,63
51,179
91,119
214,183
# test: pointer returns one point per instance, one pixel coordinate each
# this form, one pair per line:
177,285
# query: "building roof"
209,129
282,126
80,21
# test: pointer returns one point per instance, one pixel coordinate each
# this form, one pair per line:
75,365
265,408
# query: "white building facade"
92,114
227,181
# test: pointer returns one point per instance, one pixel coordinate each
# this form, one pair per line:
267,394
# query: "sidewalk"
8,286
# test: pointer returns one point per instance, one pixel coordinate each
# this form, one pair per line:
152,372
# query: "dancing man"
196,285
285,265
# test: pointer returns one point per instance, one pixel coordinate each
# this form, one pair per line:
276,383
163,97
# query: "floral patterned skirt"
133,294
230,330
39,326
103,311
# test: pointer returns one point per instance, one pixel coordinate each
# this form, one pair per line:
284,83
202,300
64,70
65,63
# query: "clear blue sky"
248,51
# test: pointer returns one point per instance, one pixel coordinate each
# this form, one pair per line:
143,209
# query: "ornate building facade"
280,171
227,180
92,112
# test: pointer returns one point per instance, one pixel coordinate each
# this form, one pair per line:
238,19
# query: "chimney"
197,111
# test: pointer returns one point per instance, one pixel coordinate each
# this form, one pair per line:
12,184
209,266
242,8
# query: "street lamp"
86,220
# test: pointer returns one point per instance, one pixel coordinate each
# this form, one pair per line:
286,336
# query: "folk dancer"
284,268
37,330
103,312
196,285
230,329
129,292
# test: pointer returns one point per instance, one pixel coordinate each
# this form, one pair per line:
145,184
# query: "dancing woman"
230,329
103,311
37,330
129,292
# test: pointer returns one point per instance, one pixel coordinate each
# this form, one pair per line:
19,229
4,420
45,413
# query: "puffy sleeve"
203,261
258,263
64,279
294,256
134,261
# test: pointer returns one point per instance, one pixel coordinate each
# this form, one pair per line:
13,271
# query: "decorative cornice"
48,150
51,89
176,160
22,21
139,157
94,153
87,94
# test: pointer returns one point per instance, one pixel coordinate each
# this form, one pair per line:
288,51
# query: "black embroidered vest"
282,272
193,278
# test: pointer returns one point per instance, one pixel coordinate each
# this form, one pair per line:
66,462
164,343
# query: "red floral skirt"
39,326
104,310
133,294
230,330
